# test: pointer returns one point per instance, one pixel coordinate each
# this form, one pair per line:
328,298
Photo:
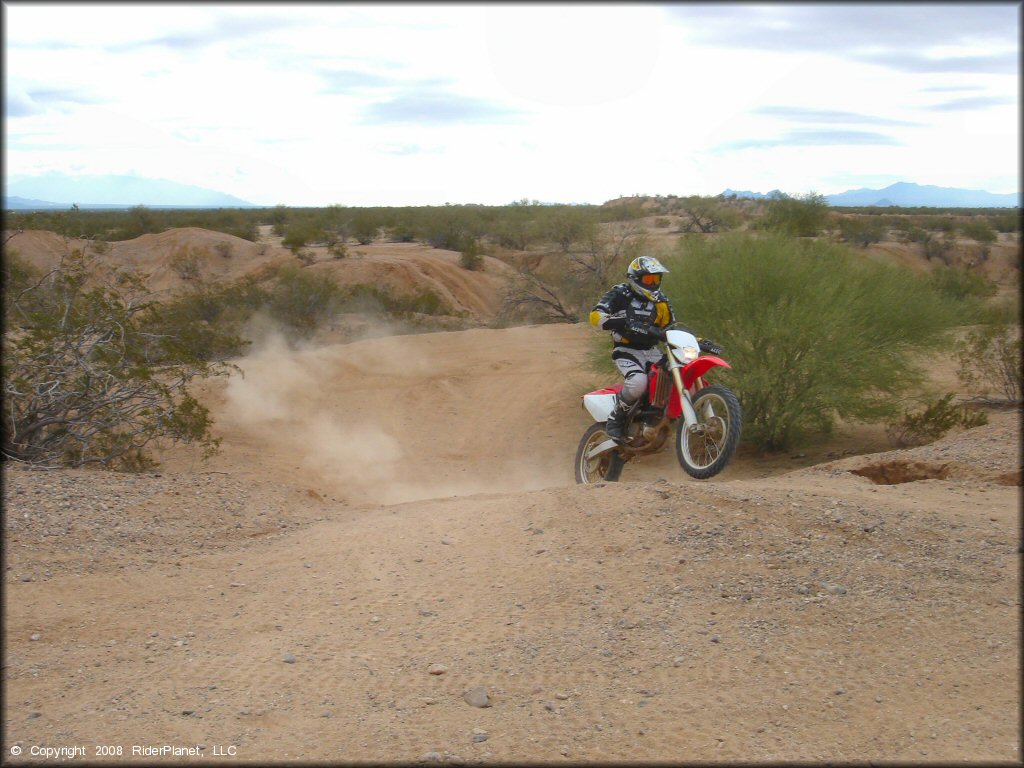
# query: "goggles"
651,280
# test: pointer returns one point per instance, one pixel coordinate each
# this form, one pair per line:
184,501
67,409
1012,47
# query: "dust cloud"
385,420
286,399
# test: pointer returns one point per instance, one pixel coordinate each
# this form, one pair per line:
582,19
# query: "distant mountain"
752,195
908,195
60,190
25,204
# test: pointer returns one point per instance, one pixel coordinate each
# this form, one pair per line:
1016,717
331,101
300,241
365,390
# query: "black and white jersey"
621,305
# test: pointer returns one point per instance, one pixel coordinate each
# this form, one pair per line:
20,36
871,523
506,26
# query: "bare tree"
608,252
536,296
708,214
562,291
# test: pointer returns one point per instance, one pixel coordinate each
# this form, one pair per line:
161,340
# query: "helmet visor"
651,281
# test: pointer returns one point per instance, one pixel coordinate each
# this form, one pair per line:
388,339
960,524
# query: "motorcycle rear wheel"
603,468
705,450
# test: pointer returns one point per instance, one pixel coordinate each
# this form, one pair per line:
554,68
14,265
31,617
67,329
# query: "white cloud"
414,103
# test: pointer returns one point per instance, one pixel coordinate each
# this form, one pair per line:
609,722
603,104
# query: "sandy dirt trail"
393,523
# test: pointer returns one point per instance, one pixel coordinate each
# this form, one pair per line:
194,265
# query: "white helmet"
644,276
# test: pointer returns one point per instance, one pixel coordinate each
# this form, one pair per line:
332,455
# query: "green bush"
373,299
961,284
802,216
208,318
1009,221
862,231
812,330
300,233
708,214
471,257
92,373
990,354
365,228
302,299
979,230
932,422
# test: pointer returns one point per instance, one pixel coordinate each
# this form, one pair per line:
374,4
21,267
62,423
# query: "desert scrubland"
388,559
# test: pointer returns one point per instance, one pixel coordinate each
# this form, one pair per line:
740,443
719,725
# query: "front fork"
689,414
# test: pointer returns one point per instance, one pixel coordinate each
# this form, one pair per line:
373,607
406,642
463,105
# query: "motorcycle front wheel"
705,448
604,467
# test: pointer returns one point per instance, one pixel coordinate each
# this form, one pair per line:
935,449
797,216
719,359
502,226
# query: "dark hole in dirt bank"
900,471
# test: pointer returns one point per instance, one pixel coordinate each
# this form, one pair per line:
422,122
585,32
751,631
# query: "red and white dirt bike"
706,418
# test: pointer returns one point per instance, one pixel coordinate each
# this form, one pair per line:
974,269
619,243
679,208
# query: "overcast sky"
416,104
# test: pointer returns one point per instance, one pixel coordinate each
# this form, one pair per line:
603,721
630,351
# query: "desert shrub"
938,246
209,318
444,229
471,257
947,225
566,225
910,232
1010,221
90,374
812,331
623,209
18,278
862,231
225,249
423,302
961,284
374,299
302,299
801,216
401,232
140,220
708,214
662,222
337,250
185,263
365,228
931,422
979,230
297,234
989,355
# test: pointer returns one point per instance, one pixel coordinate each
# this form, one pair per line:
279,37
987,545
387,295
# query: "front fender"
699,367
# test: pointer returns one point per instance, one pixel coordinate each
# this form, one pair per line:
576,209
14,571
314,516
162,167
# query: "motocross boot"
617,419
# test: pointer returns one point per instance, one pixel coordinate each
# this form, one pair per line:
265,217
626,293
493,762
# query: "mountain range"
57,190
908,195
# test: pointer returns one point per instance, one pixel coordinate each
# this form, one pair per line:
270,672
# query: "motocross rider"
637,313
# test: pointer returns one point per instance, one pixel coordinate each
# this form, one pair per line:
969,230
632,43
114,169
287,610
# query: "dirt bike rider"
637,313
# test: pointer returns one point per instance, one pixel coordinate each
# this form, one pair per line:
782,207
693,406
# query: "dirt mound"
407,269
173,258
168,260
179,257
40,248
